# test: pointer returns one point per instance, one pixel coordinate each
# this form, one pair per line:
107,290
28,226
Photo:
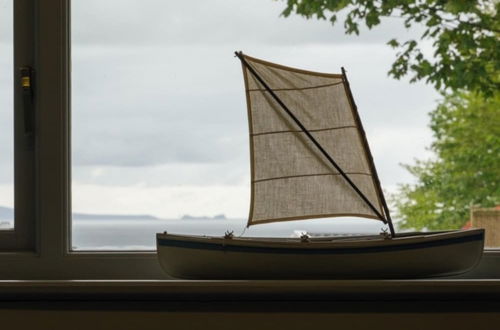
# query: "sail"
291,178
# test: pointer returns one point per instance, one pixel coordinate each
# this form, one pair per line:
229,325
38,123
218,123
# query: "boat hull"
417,255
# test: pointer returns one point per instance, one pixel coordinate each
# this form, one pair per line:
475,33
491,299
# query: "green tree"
466,167
465,36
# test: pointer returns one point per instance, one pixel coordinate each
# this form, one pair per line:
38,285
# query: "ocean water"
140,234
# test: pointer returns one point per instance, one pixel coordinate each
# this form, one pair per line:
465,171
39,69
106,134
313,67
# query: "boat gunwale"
292,245
293,69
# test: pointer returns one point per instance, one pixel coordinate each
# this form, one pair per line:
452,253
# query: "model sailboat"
310,159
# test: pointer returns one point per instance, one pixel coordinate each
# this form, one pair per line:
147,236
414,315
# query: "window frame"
22,236
43,41
46,202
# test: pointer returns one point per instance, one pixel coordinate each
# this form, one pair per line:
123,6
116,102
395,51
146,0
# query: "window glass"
159,127
6,117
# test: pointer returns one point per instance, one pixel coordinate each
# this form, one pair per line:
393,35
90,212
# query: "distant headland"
88,216
215,217
7,213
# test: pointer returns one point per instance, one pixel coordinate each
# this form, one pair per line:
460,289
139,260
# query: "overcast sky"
6,105
159,115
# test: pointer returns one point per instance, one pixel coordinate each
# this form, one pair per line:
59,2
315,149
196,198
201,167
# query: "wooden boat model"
310,159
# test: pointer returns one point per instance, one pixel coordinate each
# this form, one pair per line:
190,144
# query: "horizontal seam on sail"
315,216
299,131
294,89
306,175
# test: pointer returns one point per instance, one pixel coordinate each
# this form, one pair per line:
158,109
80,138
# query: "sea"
137,234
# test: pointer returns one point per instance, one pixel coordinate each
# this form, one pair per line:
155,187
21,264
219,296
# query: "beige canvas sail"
291,178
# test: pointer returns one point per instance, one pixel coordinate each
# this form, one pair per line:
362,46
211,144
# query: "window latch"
26,73
27,93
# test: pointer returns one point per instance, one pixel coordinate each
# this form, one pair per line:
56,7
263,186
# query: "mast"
311,138
367,152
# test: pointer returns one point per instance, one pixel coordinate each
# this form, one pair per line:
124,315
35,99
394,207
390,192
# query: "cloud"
6,23
165,201
6,114
158,107
7,195
211,22
143,106
398,145
173,174
140,141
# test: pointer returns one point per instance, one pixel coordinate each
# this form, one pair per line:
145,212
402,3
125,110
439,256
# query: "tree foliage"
466,168
464,33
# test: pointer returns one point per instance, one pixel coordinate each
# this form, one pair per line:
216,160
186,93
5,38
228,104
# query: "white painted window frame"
43,251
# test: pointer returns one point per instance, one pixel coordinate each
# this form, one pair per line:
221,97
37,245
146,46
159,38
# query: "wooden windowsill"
291,290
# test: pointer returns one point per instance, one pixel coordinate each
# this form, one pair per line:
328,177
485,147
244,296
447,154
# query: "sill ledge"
290,290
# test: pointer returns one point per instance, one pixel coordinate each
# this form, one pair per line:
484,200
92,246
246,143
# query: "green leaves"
466,57
465,37
393,43
465,171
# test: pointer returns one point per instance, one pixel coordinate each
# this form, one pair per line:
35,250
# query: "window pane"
6,117
159,127
159,120
152,137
